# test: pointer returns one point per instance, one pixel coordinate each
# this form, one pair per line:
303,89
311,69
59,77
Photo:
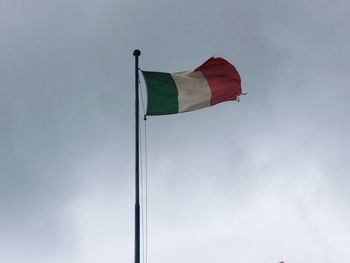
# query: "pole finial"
136,53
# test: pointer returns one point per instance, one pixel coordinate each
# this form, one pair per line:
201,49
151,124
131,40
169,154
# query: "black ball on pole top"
136,53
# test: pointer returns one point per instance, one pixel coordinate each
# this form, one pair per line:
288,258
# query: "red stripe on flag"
223,79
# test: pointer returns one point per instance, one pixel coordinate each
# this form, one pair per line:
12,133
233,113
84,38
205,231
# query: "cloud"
264,179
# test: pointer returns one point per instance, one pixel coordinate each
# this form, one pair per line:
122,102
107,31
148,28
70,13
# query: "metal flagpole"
137,53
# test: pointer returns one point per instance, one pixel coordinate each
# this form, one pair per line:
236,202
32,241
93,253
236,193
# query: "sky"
262,180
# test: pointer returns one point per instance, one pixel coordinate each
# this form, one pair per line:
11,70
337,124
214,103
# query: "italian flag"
215,81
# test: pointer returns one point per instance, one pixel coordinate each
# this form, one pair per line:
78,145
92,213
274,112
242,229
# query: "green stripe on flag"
162,94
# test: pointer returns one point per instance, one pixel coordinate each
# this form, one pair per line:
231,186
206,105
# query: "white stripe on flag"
193,90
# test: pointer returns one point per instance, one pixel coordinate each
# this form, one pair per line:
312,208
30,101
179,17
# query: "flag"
213,82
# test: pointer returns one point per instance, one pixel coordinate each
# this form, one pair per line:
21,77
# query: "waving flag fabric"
215,81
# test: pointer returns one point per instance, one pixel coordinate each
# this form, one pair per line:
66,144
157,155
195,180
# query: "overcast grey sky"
262,180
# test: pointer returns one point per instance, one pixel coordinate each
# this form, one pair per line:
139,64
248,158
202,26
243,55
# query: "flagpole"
137,53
